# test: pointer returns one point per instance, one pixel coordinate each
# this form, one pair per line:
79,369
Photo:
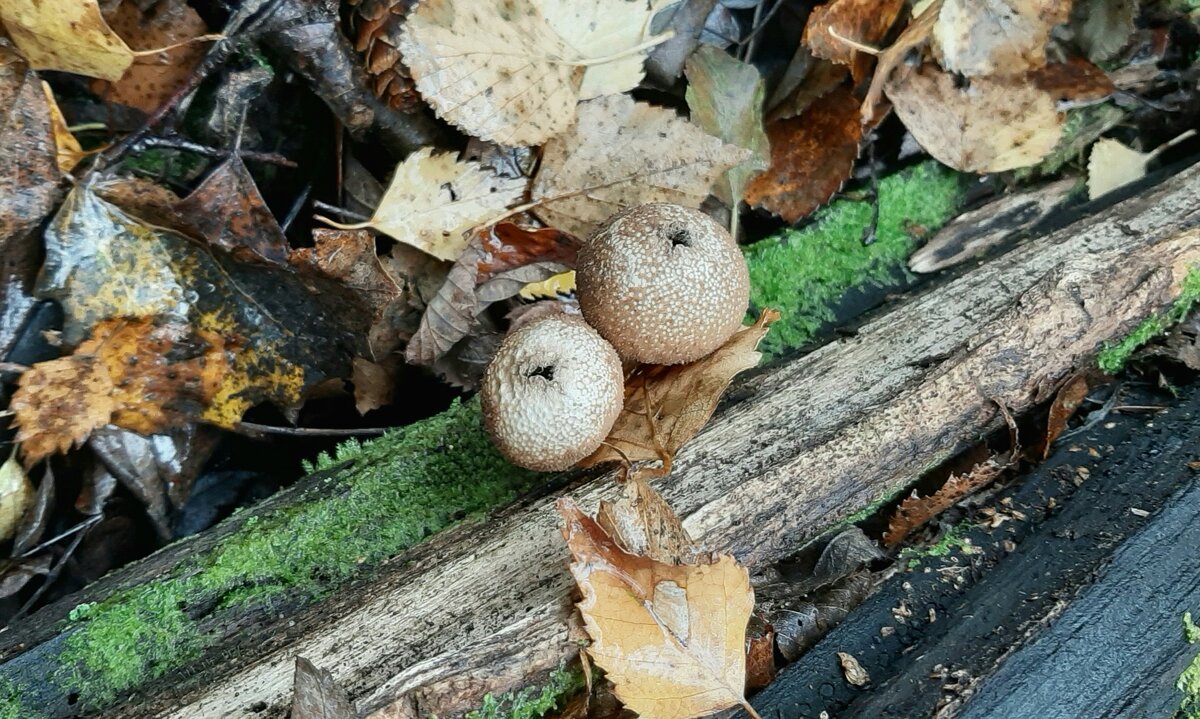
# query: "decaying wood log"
799,446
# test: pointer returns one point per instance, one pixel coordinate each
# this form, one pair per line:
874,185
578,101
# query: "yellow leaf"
69,150
16,496
434,199
66,35
623,153
680,399
512,72
670,637
560,284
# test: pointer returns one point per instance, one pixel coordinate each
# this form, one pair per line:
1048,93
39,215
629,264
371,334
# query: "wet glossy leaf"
228,211
16,496
67,35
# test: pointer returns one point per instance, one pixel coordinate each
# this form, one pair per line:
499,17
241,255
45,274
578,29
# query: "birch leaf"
512,72
623,153
725,97
991,37
66,35
434,199
671,638
16,496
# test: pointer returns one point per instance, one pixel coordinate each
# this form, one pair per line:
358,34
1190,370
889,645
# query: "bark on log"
799,447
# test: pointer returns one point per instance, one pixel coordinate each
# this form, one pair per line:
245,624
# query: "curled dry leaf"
984,125
1066,402
66,35
511,72
671,638
16,496
811,156
317,695
861,22
641,522
623,153
69,152
915,35
852,670
995,37
433,200
665,406
915,511
725,97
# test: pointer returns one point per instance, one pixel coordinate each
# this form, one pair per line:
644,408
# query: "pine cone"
377,23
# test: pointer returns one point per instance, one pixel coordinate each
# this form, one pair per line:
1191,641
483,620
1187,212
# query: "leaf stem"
154,51
657,40
750,710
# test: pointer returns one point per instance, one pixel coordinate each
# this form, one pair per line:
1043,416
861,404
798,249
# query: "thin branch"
256,430
178,143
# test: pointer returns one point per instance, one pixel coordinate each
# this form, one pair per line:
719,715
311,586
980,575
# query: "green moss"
1084,125
531,702
397,490
10,702
951,540
1113,357
803,273
1189,681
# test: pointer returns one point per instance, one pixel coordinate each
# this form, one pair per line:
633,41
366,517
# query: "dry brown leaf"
811,156
995,37
66,35
69,151
623,153
852,670
228,211
641,522
512,72
138,374
760,659
985,125
915,511
373,384
665,406
1064,406
863,22
434,200
150,81
915,35
671,638
1073,83
823,78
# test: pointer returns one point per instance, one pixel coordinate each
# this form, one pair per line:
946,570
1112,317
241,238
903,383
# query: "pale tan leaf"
373,384
915,35
434,199
68,150
671,638
1112,165
984,125
16,496
665,406
641,522
66,35
511,72
991,37
623,153
852,670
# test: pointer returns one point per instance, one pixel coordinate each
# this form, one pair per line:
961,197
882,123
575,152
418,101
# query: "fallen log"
484,606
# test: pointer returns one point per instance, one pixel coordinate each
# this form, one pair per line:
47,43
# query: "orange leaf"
915,511
864,22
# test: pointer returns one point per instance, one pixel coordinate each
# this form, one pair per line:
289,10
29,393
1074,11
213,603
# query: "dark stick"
178,143
253,429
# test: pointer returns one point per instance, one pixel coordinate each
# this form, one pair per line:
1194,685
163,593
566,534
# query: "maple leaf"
623,153
433,200
670,637
812,155
144,375
512,72
725,97
987,125
665,406
66,35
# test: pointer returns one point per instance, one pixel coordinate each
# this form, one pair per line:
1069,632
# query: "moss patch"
803,273
1113,357
531,702
398,490
1189,681
10,702
953,539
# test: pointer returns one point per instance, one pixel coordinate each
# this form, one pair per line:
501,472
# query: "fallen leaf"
228,212
985,125
373,385
1066,402
14,575
317,695
642,523
1073,83
665,406
33,525
812,155
670,638
139,374
623,153
1102,27
1112,165
68,151
66,35
16,495
145,85
915,511
863,22
800,625
760,659
914,36
995,37
725,97
852,670
433,200
498,263
512,73
552,287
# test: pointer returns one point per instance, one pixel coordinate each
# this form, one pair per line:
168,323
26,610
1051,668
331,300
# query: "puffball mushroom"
551,393
664,284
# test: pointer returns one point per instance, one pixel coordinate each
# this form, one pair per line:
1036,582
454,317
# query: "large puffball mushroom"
551,393
664,284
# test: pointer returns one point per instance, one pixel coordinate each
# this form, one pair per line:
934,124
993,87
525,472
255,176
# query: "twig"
296,207
51,577
254,429
341,211
178,143
61,535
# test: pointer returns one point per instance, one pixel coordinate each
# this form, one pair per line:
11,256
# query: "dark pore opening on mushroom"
679,236
545,371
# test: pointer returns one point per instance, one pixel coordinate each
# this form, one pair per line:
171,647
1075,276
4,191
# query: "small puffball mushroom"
552,393
663,283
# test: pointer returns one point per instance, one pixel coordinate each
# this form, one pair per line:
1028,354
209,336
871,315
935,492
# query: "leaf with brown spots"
228,211
140,374
995,37
811,156
66,35
982,125
862,22
665,406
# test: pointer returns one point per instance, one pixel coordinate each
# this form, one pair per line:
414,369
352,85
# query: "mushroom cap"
664,284
551,393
